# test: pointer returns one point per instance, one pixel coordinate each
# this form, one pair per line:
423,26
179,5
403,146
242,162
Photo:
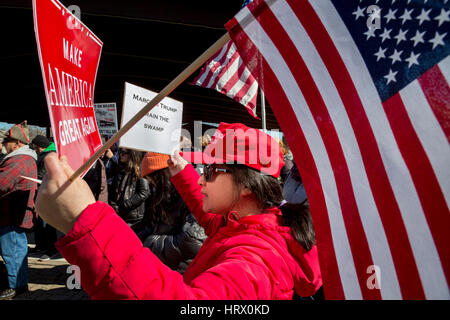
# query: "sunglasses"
123,152
209,170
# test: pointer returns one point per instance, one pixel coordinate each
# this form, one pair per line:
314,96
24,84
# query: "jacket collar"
270,216
25,150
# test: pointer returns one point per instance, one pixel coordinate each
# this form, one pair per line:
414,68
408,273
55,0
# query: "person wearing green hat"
45,234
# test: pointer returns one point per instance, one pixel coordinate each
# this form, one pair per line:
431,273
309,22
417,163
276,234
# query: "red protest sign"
69,54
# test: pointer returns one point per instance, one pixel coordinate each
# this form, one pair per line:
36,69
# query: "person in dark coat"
17,208
129,190
288,160
170,230
43,147
293,189
97,180
45,235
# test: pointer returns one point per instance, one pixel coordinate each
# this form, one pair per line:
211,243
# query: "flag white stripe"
444,66
373,227
211,64
341,244
437,149
229,54
230,72
250,94
399,176
430,133
241,81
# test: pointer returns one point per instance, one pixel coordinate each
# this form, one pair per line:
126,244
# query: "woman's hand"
109,154
61,201
176,163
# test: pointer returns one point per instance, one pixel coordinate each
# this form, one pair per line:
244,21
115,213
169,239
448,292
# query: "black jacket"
128,197
177,240
41,171
96,179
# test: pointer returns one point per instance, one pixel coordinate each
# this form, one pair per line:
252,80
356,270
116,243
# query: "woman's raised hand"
176,163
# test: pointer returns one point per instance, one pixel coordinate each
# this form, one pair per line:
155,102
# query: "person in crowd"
97,180
129,190
288,160
169,228
2,149
43,147
185,143
203,142
249,253
111,161
16,203
44,234
293,189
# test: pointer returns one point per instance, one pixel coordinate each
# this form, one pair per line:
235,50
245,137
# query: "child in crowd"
249,254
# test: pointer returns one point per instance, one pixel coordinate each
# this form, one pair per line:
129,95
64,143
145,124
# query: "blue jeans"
14,251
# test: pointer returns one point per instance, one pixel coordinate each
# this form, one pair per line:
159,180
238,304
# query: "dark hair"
268,192
133,165
163,200
298,217
266,188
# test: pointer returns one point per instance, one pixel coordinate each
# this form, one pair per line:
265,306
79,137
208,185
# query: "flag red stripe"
219,64
234,79
225,69
210,71
407,273
435,87
307,167
245,88
425,181
355,231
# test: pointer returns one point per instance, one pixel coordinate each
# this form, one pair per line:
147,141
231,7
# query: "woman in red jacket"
249,252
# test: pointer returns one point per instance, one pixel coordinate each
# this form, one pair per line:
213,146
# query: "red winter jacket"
250,258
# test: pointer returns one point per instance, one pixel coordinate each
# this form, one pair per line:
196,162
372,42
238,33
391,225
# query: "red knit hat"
237,143
152,162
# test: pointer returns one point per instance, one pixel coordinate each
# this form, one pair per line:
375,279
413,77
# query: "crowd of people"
214,231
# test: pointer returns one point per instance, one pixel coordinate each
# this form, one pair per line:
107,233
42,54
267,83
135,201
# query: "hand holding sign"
61,201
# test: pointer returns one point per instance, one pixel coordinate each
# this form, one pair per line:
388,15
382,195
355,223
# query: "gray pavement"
50,280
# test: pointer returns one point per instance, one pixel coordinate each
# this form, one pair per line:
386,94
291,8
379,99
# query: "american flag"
361,90
226,73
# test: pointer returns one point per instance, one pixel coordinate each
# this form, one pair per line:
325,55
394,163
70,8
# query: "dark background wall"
147,43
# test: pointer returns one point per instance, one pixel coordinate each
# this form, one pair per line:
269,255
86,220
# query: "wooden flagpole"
164,93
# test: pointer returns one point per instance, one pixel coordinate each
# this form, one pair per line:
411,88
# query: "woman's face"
220,194
124,156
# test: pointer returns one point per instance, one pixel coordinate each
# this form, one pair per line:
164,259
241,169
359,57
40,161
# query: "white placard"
159,130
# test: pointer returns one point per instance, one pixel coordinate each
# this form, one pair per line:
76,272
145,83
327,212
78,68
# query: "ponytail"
298,217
